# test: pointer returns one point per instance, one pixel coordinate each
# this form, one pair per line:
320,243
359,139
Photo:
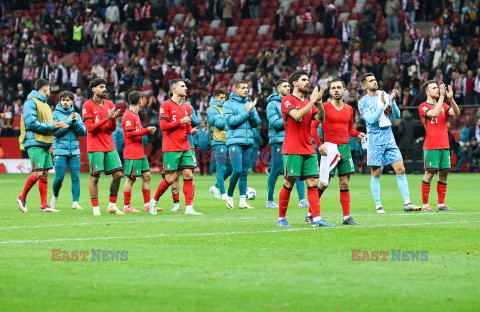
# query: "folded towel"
383,121
327,163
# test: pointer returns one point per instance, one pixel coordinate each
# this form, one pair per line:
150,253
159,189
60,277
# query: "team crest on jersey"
278,149
430,163
287,103
38,165
168,166
292,171
96,166
137,171
128,123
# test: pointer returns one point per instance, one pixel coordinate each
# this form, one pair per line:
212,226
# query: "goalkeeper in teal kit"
376,106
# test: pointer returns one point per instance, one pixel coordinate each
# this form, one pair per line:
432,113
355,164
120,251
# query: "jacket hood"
236,98
60,108
215,102
36,94
274,97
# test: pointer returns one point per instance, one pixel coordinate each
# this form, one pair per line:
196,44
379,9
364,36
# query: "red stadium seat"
249,38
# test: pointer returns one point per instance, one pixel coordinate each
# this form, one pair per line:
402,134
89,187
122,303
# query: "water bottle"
364,142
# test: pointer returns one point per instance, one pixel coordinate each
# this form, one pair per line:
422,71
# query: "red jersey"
298,138
174,133
436,136
338,125
132,135
99,130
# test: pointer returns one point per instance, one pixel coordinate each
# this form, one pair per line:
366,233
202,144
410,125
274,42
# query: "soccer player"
99,116
298,152
436,147
382,148
175,122
36,133
176,185
66,148
240,118
337,128
218,141
276,134
136,163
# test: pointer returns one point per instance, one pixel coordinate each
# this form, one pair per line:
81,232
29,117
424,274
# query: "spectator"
112,12
189,23
462,154
202,143
254,7
279,32
410,6
329,24
468,93
291,24
344,33
98,30
476,87
309,26
474,155
406,131
244,9
391,10
227,12
365,32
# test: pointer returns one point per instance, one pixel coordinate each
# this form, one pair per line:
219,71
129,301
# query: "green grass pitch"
239,260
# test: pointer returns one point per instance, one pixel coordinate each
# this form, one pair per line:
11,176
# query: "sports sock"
375,186
146,196
126,198
345,202
320,192
441,191
162,187
188,191
284,198
425,192
43,189
314,200
94,202
403,186
175,196
112,199
28,185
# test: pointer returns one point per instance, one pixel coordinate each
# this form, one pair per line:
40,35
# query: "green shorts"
108,162
40,158
345,165
135,167
300,166
437,159
173,161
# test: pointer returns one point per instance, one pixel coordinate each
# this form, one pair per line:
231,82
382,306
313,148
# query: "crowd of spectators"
35,47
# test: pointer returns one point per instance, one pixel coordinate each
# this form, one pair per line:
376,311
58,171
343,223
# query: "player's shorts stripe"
114,170
309,176
133,170
346,174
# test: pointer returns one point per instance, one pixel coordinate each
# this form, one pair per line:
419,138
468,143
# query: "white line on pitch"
229,233
218,219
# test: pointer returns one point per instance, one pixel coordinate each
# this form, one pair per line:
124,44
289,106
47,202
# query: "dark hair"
239,82
296,75
218,92
279,82
365,76
40,83
134,97
96,82
65,94
338,79
174,82
424,87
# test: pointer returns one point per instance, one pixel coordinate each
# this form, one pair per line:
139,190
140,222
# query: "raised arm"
455,111
231,119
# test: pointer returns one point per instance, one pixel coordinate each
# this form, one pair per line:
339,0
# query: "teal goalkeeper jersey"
376,135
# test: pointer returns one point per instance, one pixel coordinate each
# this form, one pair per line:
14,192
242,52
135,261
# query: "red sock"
127,196
441,191
175,195
146,196
314,200
284,198
28,185
320,193
345,201
94,202
188,191
425,192
112,199
43,189
162,187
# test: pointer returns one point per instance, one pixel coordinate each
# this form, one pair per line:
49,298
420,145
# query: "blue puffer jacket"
257,138
239,123
276,128
31,122
201,139
65,141
194,124
215,119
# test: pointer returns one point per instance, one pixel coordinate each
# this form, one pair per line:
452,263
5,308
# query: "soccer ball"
251,193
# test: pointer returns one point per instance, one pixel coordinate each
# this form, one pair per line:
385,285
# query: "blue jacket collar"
60,108
215,102
274,97
36,94
236,98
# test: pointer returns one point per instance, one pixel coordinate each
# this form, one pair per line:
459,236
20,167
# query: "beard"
305,89
373,89
102,95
